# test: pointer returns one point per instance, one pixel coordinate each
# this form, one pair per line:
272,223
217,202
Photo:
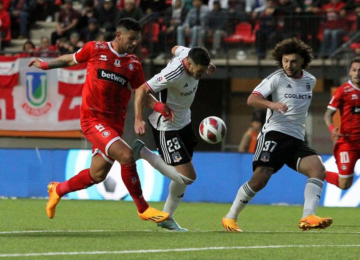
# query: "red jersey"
347,100
109,79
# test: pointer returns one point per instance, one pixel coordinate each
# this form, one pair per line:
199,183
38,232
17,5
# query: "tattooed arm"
66,60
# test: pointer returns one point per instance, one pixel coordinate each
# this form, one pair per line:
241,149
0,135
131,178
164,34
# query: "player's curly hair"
292,46
199,55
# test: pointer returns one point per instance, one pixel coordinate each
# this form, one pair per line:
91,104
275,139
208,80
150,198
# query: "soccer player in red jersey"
347,147
112,71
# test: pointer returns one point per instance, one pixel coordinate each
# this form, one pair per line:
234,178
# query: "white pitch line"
146,231
170,250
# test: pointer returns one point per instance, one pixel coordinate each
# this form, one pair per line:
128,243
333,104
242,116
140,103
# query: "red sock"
131,180
78,182
332,177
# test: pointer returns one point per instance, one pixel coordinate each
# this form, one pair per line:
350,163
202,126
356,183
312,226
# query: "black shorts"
274,149
176,147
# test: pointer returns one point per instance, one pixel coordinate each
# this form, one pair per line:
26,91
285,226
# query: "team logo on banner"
36,94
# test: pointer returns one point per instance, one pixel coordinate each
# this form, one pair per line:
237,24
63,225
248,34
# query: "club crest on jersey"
105,133
354,96
159,79
131,67
176,157
117,63
307,86
103,57
264,157
36,94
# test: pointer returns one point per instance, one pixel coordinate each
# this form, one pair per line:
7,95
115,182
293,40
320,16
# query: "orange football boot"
54,199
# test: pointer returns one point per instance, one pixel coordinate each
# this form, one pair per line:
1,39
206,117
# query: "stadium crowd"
323,24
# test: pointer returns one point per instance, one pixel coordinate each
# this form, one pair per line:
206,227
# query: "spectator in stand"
75,43
334,27
91,32
215,28
224,4
89,11
187,4
237,13
310,21
5,27
252,6
121,4
155,7
45,10
28,49
267,35
63,45
287,12
66,23
195,21
107,13
174,16
22,17
46,49
6,4
130,10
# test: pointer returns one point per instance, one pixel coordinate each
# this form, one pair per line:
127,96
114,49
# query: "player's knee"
99,176
126,157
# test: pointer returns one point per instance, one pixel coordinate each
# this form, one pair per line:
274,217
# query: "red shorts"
102,136
346,155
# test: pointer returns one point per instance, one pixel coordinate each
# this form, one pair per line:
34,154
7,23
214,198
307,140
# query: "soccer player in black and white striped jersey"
171,122
286,94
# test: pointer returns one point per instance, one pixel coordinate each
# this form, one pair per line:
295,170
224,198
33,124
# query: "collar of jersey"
186,70
115,52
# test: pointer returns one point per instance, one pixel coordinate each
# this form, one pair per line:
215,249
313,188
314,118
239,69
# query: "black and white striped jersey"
177,89
296,93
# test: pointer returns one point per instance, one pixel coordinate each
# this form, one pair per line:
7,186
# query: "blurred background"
239,34
39,110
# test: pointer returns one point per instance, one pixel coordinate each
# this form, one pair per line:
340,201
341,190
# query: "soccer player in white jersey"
172,129
286,94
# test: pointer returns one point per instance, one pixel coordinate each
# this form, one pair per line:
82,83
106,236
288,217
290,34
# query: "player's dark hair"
199,55
292,46
129,24
356,59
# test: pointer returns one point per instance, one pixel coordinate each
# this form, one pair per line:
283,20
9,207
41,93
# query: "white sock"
176,193
167,170
243,197
312,194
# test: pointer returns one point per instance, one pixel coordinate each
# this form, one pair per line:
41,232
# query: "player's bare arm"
140,97
173,50
258,101
66,60
328,118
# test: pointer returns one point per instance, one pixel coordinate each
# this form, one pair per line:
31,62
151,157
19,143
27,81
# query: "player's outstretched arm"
66,60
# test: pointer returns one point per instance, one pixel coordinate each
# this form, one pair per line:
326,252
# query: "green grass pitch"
112,230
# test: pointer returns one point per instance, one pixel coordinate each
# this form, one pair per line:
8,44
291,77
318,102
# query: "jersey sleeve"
157,83
182,51
336,101
84,54
138,77
266,87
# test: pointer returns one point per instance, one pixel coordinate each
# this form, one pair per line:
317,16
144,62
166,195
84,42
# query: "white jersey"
177,89
296,93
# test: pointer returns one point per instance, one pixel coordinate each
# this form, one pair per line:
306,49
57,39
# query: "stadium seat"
243,33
